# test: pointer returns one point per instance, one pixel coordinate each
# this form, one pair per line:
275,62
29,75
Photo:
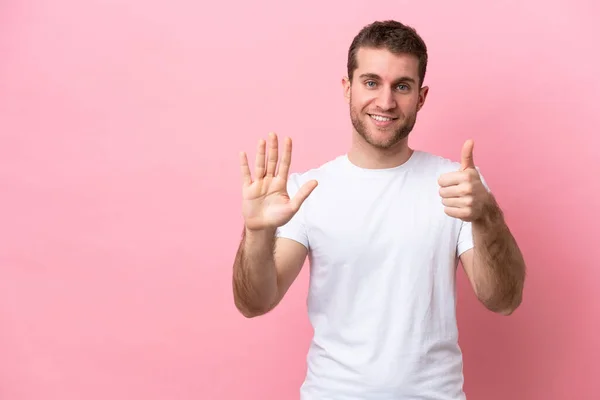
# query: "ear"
422,96
346,86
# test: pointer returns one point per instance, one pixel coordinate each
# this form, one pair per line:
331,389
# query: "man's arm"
264,269
495,266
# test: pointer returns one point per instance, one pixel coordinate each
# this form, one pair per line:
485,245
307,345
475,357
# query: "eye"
370,84
403,86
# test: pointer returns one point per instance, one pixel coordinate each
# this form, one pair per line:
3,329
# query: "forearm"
254,273
498,264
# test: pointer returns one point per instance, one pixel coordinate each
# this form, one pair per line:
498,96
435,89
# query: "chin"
382,140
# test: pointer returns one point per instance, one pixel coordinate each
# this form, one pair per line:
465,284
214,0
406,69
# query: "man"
384,231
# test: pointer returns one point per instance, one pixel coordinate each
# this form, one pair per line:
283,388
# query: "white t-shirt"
383,257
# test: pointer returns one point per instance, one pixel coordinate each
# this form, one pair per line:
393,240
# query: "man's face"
384,96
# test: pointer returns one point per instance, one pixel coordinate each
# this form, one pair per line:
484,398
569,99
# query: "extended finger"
302,193
286,159
272,160
245,169
259,164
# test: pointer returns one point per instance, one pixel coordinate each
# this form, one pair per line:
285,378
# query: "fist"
463,193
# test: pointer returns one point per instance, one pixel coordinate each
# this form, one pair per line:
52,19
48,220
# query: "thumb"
304,191
466,158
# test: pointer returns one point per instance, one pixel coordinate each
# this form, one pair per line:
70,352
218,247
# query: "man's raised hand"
463,192
265,200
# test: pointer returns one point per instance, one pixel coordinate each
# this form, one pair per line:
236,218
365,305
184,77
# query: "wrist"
259,234
491,214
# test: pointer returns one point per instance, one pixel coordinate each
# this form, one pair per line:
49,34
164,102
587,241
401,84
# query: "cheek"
416,100
361,100
409,102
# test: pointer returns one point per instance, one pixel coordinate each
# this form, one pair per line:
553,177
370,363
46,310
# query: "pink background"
121,123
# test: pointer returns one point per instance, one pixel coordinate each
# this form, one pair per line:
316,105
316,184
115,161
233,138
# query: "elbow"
250,310
247,310
505,299
250,304
515,300
250,314
505,307
507,311
512,307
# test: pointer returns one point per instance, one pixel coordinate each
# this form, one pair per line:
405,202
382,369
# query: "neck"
365,155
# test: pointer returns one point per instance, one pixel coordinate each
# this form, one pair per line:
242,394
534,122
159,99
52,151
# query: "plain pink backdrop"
121,123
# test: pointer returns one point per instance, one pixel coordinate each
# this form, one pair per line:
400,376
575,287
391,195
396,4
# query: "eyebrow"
377,77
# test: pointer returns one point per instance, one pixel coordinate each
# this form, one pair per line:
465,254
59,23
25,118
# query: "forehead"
387,65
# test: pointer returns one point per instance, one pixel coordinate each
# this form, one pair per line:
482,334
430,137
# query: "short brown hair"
393,36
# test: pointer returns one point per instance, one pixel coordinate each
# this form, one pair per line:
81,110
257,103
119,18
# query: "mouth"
382,120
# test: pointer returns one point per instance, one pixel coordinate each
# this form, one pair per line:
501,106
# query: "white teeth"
380,118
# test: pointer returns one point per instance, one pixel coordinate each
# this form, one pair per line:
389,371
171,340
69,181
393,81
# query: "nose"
385,99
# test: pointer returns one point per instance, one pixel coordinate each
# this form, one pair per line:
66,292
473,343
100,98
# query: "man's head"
384,87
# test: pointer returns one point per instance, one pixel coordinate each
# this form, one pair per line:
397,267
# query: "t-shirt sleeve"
295,228
465,236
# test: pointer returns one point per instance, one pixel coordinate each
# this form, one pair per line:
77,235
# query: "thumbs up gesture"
463,193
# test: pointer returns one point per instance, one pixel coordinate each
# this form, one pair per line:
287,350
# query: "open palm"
265,200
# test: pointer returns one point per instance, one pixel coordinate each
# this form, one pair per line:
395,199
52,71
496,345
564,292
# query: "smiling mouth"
381,118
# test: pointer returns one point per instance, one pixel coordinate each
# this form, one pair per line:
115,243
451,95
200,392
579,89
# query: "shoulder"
438,165
319,173
433,163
